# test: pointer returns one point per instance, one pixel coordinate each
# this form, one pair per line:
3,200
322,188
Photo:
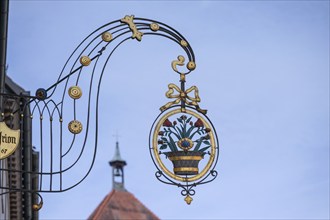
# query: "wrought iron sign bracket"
181,133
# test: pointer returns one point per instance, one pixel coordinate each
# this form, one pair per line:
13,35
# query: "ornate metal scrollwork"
67,120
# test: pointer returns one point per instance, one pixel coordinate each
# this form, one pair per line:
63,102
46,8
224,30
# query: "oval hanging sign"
9,140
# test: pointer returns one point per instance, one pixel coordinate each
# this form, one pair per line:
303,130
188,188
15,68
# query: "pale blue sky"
263,74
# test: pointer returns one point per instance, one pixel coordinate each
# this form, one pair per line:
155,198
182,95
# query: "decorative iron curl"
188,191
37,207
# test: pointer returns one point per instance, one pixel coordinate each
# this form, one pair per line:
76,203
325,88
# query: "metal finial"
117,158
117,136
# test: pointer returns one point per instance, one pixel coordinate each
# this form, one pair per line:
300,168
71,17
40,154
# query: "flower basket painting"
185,141
184,147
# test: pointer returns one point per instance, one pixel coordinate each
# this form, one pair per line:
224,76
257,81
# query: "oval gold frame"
156,152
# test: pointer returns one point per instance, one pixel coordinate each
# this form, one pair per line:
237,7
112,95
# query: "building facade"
18,175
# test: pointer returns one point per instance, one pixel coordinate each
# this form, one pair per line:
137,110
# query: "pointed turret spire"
117,164
117,156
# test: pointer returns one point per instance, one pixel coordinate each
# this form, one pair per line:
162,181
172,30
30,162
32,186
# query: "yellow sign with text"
9,140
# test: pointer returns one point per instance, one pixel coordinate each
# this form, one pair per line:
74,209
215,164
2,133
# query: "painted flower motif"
185,144
182,133
183,117
167,123
199,123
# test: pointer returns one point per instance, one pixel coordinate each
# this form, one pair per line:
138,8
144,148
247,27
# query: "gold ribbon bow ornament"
183,96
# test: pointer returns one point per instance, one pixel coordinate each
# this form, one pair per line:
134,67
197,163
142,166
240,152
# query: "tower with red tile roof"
119,203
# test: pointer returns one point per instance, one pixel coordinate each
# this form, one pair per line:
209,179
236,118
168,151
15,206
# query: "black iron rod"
27,145
64,78
3,47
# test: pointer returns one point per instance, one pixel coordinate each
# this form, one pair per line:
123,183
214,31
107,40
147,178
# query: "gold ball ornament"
184,43
37,207
75,127
106,36
85,60
154,27
75,92
191,65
